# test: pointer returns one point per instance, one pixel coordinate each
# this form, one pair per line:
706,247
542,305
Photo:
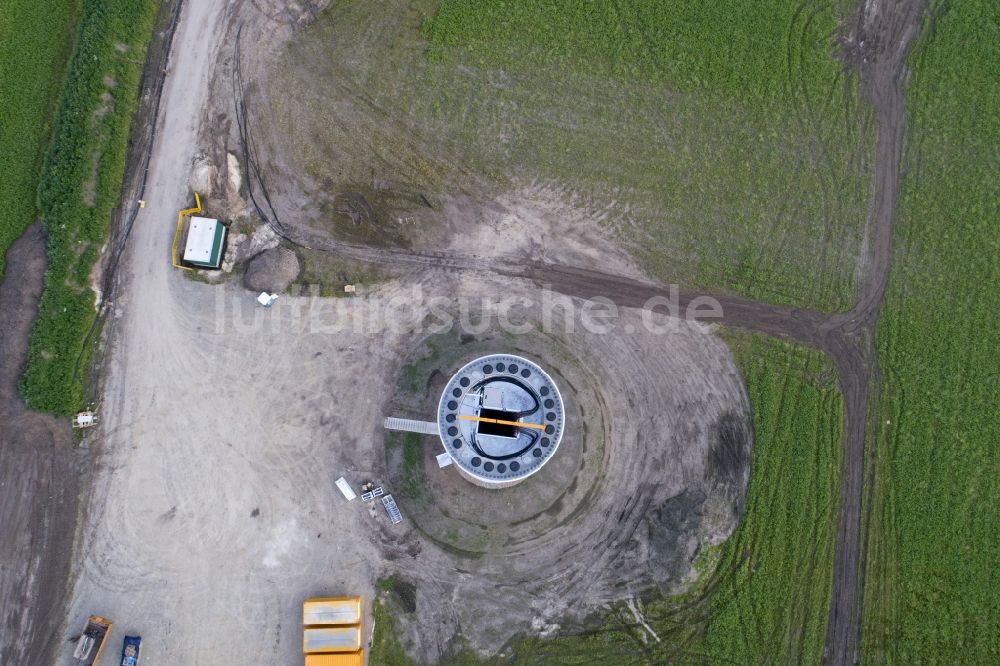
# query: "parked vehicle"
92,640
131,648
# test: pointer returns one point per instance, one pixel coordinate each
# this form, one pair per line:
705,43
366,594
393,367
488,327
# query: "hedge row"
80,186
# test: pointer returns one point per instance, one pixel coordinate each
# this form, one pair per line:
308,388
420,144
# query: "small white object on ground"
84,420
266,299
345,488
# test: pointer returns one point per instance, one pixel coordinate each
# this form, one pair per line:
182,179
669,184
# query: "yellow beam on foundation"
180,226
536,426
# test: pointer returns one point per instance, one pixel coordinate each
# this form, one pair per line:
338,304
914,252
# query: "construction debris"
345,489
85,420
372,494
390,508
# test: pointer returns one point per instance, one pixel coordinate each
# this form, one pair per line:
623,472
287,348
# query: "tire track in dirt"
891,28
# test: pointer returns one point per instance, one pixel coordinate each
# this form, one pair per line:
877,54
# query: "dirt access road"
161,526
171,541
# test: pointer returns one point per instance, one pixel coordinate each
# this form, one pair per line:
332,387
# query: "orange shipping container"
325,611
331,639
343,659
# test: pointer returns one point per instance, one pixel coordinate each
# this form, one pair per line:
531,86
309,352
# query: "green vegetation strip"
385,647
36,39
772,595
763,595
725,47
80,185
931,594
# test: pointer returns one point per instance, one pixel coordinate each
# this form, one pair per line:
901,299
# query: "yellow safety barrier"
180,225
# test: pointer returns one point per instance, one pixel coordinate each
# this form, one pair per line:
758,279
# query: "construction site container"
91,642
205,241
331,639
342,659
325,611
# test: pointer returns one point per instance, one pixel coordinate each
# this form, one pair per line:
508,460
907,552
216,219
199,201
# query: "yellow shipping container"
331,639
325,611
343,659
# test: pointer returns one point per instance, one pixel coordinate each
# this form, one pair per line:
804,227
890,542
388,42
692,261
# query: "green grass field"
719,141
764,594
36,39
79,186
931,594
772,596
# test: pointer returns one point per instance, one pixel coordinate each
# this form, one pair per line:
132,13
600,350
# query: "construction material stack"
331,631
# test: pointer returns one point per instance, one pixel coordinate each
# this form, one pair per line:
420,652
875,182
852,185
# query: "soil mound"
272,270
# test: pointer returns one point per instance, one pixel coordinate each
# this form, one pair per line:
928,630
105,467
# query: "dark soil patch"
39,478
405,593
729,457
379,216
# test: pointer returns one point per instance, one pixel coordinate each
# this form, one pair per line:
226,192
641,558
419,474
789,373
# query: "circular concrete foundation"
500,419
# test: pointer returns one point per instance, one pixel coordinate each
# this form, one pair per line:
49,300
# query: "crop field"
80,183
770,594
931,593
764,594
720,142
36,39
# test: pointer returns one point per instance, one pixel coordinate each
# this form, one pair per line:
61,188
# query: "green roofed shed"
205,240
